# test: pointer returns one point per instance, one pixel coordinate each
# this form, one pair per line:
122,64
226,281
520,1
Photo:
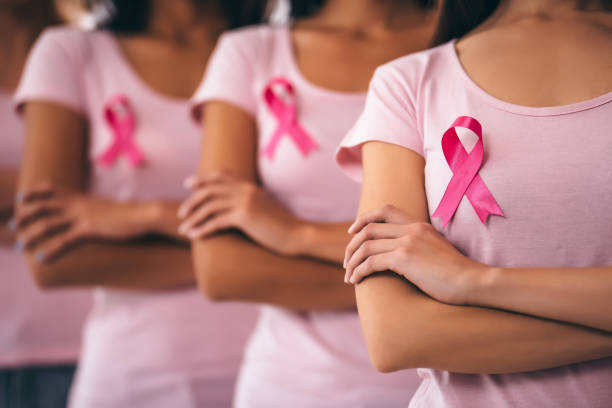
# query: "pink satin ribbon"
121,119
465,180
285,111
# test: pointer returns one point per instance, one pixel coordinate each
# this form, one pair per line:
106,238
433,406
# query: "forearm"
325,241
134,266
576,295
406,329
228,267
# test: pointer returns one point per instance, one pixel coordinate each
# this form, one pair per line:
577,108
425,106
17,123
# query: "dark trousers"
36,386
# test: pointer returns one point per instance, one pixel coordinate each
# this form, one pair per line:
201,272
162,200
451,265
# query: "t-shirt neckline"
146,88
521,109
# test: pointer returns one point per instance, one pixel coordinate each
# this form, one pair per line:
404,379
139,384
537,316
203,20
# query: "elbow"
46,276
387,355
212,277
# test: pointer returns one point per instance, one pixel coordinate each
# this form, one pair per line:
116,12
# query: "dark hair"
36,14
459,17
132,16
307,8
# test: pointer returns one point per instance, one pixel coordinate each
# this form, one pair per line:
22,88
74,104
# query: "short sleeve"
389,116
53,71
230,73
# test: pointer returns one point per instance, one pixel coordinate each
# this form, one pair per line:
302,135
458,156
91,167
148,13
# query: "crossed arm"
92,252
284,261
406,328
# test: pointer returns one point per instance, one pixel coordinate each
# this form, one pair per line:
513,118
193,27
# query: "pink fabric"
141,349
550,171
316,359
36,328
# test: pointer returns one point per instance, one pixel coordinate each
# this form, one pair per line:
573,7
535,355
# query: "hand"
388,239
50,219
221,201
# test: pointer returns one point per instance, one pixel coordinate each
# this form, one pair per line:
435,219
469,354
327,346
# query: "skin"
16,37
72,238
498,317
352,38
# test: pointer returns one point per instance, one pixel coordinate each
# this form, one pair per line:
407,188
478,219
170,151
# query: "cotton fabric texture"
548,168
141,349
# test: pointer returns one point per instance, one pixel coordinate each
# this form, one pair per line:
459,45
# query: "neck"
372,16
542,9
181,21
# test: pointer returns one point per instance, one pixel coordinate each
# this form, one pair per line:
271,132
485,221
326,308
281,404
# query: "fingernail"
19,196
344,263
12,224
189,181
19,245
350,230
40,256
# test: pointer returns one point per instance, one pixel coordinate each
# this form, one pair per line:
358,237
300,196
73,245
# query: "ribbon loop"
122,121
466,180
284,108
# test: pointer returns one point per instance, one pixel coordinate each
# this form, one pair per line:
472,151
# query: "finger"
58,244
375,263
366,250
219,223
387,214
200,196
191,181
206,211
40,231
199,180
28,212
371,232
41,190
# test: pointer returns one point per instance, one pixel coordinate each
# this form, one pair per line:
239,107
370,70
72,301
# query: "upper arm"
393,175
55,146
230,141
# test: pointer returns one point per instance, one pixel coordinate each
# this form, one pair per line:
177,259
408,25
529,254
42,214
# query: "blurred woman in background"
276,103
108,143
39,332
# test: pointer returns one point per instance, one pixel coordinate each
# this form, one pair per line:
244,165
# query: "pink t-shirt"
549,170
36,328
141,349
307,359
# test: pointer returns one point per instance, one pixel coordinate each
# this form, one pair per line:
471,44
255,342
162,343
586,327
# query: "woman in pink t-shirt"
40,333
108,143
502,140
276,101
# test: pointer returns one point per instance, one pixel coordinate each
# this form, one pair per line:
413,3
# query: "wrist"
299,239
482,284
143,216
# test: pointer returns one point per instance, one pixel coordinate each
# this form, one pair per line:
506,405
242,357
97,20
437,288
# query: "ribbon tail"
111,154
270,148
303,140
134,154
482,200
444,213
